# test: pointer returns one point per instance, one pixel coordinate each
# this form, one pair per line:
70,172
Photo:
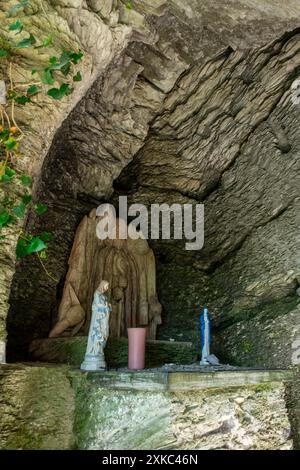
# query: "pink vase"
136,348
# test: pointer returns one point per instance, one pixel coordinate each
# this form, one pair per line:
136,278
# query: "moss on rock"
37,406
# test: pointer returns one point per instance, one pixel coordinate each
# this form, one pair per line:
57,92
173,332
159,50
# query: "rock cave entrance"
224,133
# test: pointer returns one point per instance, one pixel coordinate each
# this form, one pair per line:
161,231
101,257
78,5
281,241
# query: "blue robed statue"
99,331
205,338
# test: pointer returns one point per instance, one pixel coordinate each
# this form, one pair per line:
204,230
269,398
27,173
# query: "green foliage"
16,26
7,175
129,5
25,180
21,248
76,56
28,245
14,209
59,93
36,245
19,211
77,77
26,199
5,218
33,90
45,43
46,236
23,99
4,134
27,42
3,53
40,208
47,77
11,143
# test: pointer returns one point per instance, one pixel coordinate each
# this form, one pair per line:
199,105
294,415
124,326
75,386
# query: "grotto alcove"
225,135
187,103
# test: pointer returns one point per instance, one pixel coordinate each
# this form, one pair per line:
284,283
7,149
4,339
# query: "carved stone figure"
98,331
129,268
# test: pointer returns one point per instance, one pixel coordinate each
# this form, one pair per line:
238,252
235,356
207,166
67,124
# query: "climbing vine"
60,69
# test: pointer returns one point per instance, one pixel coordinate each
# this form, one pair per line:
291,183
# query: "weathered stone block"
57,407
133,411
36,408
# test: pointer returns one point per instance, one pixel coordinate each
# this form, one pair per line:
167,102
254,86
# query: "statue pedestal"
93,363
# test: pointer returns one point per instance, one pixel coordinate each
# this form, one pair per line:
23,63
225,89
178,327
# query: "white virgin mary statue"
99,330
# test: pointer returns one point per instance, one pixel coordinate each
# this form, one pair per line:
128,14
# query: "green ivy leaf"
25,180
5,219
47,77
129,5
36,245
77,77
11,143
16,26
22,99
6,202
9,172
27,42
45,43
76,56
40,208
19,211
26,199
65,69
62,63
21,249
3,53
4,134
8,175
59,93
33,90
46,236
65,57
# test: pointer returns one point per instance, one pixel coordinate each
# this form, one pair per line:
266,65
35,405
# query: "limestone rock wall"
186,91
232,143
